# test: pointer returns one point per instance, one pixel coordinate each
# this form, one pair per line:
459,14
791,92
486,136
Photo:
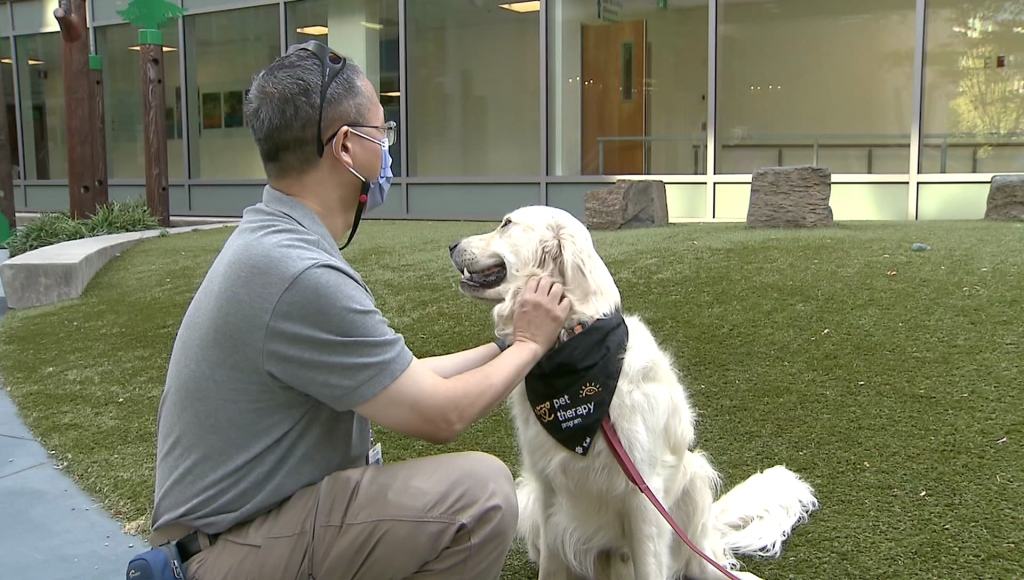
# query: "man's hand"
540,314
434,408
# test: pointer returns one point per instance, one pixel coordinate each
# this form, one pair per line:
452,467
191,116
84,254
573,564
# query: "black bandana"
571,388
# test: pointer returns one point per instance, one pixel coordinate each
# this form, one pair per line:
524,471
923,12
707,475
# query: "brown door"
614,98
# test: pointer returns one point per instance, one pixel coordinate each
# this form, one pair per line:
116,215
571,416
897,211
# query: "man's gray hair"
283,105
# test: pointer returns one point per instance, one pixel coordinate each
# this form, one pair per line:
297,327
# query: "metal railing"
946,142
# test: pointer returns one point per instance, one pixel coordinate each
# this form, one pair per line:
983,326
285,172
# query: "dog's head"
531,241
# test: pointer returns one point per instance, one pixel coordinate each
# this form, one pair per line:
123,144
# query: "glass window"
223,50
365,31
815,81
106,11
7,69
473,70
973,108
122,88
627,87
41,82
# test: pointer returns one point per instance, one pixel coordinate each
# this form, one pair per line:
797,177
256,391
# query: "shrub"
121,217
56,227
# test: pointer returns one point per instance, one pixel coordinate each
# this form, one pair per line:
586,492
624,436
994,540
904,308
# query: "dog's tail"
757,515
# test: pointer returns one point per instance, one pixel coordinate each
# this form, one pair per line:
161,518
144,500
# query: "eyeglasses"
389,129
331,65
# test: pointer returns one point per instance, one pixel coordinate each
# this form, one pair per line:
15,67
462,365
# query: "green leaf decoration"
150,14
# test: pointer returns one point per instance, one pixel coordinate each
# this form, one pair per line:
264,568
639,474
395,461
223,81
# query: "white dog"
579,515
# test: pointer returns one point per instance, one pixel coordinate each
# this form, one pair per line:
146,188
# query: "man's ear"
342,147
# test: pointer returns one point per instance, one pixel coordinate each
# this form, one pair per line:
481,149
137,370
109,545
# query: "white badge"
374,457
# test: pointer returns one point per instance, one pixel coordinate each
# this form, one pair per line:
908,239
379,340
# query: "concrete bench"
62,271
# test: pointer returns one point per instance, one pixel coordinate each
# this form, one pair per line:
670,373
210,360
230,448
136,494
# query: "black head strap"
331,65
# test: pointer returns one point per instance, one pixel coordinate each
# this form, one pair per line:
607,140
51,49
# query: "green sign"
150,14
5,229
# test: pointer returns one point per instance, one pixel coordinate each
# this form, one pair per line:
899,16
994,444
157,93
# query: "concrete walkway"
50,529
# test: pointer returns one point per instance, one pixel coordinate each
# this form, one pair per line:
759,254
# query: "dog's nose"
452,246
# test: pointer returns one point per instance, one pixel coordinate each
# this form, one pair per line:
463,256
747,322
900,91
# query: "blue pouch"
160,563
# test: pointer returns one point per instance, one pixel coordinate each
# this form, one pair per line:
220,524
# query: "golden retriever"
579,515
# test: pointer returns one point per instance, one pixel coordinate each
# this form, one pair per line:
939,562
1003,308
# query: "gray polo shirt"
278,345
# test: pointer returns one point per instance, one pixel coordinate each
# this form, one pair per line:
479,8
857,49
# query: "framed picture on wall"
179,132
212,117
169,118
233,109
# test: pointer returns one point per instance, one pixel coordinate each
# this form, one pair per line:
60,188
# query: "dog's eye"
507,222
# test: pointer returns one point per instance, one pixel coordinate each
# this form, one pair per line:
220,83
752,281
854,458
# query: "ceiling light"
391,94
166,48
373,25
312,30
522,7
30,61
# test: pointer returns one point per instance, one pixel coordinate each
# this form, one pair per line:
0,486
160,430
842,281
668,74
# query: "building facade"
913,104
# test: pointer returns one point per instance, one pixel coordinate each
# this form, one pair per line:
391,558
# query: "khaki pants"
446,516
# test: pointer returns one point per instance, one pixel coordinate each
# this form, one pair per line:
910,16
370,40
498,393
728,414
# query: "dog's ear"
567,256
551,255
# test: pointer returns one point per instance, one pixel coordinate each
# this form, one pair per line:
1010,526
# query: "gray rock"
627,204
1006,198
790,197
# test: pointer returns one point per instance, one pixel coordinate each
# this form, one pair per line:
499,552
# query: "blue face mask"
374,192
378,191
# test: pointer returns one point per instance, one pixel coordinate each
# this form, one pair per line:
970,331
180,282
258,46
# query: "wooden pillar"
151,58
99,131
71,16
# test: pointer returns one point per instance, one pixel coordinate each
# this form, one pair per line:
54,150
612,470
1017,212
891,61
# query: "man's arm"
449,365
425,405
327,339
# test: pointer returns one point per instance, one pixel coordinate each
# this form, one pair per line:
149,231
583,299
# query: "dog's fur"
580,516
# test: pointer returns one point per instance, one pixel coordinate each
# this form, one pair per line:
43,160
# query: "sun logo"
590,389
543,411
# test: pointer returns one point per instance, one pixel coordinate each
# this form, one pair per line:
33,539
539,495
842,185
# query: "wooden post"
6,171
99,131
71,16
151,56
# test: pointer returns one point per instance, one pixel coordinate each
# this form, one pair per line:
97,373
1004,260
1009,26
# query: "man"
265,463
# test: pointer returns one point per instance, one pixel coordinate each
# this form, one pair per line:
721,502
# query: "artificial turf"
891,379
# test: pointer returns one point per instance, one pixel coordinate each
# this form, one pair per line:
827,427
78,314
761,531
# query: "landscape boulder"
1006,198
790,197
627,204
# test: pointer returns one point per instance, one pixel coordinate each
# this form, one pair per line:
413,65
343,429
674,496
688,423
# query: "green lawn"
893,380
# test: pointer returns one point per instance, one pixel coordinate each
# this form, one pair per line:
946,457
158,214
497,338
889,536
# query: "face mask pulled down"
372,194
376,191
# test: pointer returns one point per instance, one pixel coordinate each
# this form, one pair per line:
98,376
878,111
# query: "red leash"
636,479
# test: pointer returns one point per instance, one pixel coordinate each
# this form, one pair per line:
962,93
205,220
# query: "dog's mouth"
485,279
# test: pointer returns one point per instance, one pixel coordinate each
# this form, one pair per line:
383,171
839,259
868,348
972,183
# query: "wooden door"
614,96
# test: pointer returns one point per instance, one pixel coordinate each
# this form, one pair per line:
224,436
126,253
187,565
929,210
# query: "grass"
893,380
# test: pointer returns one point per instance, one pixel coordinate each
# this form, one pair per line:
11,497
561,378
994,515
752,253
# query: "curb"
62,271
